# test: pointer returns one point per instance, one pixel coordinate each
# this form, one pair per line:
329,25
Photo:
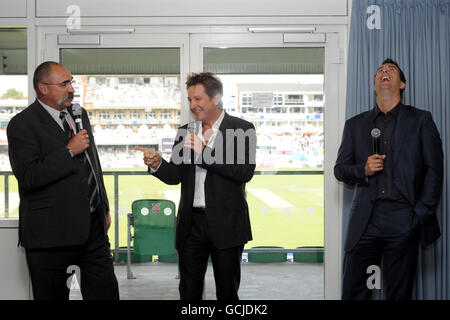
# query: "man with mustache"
63,211
396,191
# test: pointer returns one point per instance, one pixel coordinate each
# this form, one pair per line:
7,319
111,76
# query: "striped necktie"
67,129
92,183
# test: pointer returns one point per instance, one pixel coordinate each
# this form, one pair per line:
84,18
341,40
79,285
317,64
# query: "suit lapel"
48,123
400,132
224,125
367,137
222,128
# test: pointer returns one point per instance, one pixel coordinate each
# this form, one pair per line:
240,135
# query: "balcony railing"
115,212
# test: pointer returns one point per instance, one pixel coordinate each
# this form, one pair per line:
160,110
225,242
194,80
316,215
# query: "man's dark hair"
209,80
402,75
41,72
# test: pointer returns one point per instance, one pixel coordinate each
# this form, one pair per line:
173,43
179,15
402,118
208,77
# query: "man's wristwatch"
72,154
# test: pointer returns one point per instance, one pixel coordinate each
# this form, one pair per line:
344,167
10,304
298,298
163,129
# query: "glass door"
279,90
284,89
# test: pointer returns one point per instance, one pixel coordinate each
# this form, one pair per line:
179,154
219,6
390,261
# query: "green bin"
310,254
254,256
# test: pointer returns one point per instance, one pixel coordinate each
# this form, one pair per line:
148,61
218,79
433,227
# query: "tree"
14,94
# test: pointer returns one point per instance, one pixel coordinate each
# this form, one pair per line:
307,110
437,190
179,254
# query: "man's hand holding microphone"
79,143
375,162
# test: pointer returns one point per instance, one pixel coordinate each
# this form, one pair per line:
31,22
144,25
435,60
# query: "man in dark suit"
213,160
396,191
63,211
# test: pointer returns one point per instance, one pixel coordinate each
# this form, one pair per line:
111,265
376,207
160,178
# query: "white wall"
13,9
197,8
14,280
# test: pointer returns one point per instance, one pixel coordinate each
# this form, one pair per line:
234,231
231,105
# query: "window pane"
13,99
13,51
264,60
287,210
134,98
123,61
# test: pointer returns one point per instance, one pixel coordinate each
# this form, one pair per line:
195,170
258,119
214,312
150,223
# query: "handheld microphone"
77,111
376,134
192,127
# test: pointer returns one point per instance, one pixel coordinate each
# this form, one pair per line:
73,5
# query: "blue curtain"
416,34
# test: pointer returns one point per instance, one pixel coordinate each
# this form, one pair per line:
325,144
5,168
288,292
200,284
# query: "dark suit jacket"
54,204
226,208
417,169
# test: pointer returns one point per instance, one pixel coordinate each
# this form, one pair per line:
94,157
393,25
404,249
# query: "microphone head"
76,109
376,133
192,126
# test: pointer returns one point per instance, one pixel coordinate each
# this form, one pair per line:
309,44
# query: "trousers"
389,242
92,263
193,262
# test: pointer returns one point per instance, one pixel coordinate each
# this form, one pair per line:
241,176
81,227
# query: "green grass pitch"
300,224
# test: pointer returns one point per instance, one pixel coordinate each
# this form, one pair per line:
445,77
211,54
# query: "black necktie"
92,184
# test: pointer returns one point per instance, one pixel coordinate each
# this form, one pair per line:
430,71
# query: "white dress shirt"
55,115
200,173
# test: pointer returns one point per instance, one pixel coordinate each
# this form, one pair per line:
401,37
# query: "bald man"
63,211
